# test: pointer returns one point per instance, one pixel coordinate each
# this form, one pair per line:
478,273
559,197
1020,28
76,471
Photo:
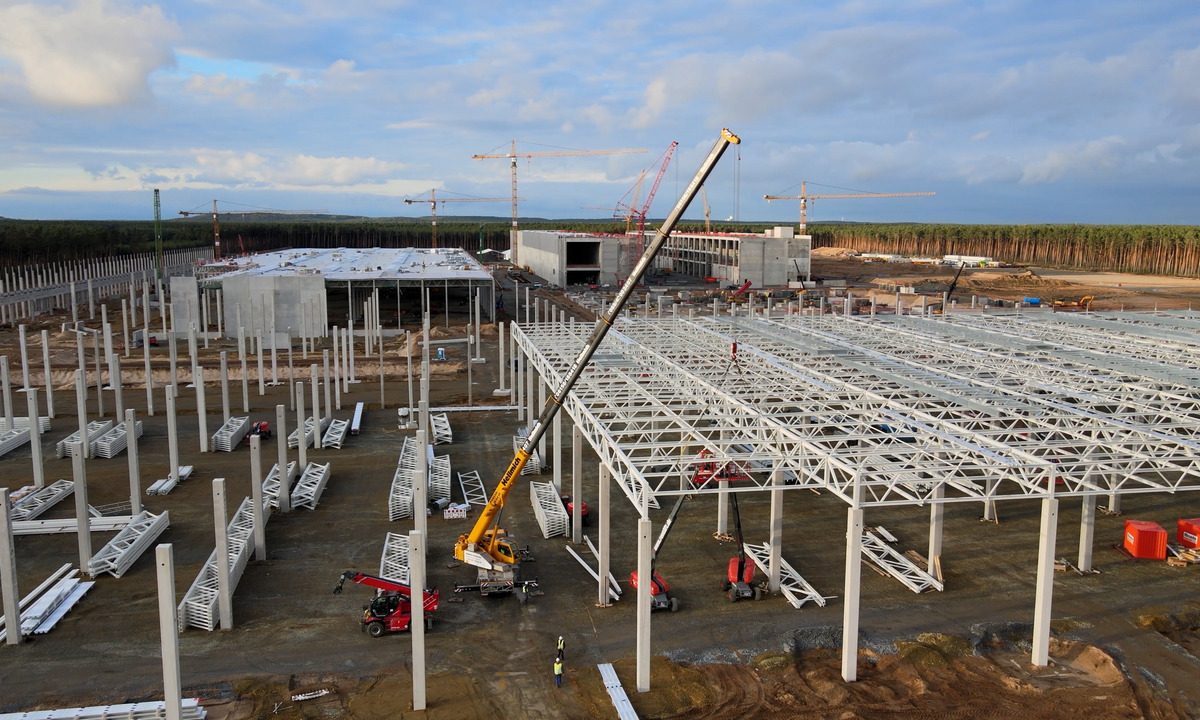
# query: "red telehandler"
391,610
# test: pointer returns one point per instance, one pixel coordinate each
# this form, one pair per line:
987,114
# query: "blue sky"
1011,111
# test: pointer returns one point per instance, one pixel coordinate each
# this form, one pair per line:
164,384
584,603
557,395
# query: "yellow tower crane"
434,201
512,155
804,197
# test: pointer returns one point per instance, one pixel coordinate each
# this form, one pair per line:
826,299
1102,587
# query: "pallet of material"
149,710
22,423
308,490
548,509
310,434
25,607
65,447
356,422
167,484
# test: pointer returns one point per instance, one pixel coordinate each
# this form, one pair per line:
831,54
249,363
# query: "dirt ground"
1125,644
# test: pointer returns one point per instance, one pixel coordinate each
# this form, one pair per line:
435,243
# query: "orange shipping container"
1188,533
1145,540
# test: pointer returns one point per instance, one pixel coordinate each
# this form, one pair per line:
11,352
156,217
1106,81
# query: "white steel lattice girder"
964,401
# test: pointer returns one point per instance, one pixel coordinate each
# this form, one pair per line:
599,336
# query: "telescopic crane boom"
486,546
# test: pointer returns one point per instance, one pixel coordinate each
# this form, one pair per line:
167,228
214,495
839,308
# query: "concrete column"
513,391
291,372
125,325
1114,496
49,375
337,369
220,527
989,505
6,393
416,579
937,514
131,453
519,364
274,357
853,588
204,315
8,574
501,371
423,415
302,445
173,353
80,406
316,406
224,386
346,361
421,483
541,385
256,482
82,518
556,450
221,313
328,390
201,407
285,478
604,520
262,376
576,483
245,372
35,438
774,566
412,407
21,341
91,300
643,605
168,630
146,363
117,382
1045,583
1087,530
172,434
723,507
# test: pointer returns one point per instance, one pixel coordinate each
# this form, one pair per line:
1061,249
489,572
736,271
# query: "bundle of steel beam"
149,710
22,423
12,439
400,495
39,501
336,434
113,442
393,563
439,478
128,545
167,484
548,509
231,433
307,492
66,446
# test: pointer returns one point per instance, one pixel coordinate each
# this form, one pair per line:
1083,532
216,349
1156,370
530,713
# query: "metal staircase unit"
231,433
548,509
65,447
307,492
128,545
113,443
198,608
39,501
793,585
885,557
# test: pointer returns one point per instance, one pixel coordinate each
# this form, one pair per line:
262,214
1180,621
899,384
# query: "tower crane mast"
216,224
512,155
434,201
804,197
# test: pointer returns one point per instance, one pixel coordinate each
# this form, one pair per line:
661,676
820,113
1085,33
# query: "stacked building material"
128,545
198,608
113,443
307,492
65,447
231,433
548,509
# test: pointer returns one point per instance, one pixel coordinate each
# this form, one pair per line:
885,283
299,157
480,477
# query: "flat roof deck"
405,265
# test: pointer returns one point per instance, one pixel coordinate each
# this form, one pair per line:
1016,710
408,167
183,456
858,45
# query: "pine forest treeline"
1156,249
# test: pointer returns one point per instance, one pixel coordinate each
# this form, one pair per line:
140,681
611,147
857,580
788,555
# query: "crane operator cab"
384,605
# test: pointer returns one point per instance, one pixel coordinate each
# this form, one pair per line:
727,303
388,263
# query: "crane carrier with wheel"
391,610
487,546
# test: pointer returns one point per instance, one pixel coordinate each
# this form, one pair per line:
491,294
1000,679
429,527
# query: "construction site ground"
1125,640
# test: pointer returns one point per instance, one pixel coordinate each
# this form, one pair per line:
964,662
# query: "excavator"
390,611
1084,303
488,547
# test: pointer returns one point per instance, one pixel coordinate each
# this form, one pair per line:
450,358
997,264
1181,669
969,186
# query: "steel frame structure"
891,411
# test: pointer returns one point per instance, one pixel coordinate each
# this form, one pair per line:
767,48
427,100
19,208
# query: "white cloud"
90,53
249,169
1074,159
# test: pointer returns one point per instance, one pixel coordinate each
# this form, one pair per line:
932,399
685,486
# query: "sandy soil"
1125,641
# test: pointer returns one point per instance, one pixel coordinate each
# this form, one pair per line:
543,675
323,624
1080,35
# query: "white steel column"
774,567
82,516
643,605
605,522
35,438
1045,582
1087,530
135,472
576,484
853,588
256,482
220,523
416,581
168,630
8,573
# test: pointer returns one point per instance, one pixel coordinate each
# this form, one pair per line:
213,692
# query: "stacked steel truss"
881,411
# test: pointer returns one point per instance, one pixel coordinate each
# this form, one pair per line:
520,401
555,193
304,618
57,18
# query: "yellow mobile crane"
487,546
